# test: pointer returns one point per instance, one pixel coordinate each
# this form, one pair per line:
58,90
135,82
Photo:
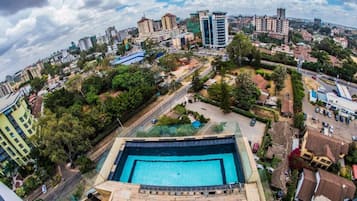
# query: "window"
25,151
4,143
21,145
25,115
12,134
16,140
21,119
30,121
26,126
30,131
7,128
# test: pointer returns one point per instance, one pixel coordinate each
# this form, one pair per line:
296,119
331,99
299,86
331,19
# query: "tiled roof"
308,186
332,148
334,187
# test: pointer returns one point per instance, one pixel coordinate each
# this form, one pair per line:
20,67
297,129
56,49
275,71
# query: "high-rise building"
278,24
214,28
168,21
317,22
112,34
16,126
193,23
157,25
280,13
85,43
145,26
5,89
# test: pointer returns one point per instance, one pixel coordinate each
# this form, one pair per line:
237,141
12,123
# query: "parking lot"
340,129
253,134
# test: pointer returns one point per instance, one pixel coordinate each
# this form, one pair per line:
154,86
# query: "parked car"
259,166
324,112
354,138
252,122
341,118
154,121
347,121
329,114
313,77
270,170
337,117
305,116
317,109
255,147
331,129
324,124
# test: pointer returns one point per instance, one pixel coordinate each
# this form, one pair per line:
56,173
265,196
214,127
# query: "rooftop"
344,103
9,100
332,148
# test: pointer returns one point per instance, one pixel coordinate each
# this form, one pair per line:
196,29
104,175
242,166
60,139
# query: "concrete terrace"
114,190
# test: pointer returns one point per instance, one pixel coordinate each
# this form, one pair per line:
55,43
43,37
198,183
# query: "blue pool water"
195,170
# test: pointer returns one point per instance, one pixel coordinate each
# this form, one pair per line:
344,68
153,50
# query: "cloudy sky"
33,29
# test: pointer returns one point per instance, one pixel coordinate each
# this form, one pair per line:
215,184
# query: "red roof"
260,82
354,170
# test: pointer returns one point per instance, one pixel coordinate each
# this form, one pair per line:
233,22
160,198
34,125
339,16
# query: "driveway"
254,134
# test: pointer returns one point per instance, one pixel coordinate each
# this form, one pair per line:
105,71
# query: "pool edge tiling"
247,177
180,150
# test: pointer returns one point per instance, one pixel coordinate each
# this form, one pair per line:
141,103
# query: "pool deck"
114,190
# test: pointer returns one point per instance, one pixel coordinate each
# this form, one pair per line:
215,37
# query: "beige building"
168,21
145,26
182,40
321,150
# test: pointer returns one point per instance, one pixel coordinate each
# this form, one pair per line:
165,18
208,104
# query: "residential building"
287,108
181,40
341,41
85,43
9,78
302,52
278,24
282,49
214,28
157,25
323,185
33,71
5,89
321,150
112,34
306,35
16,126
102,40
145,26
169,21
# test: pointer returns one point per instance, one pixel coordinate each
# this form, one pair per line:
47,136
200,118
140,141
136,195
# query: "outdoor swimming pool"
179,164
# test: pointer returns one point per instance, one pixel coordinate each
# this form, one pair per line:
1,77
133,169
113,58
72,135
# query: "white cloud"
34,33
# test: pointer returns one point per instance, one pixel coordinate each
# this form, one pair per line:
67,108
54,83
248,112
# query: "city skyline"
35,29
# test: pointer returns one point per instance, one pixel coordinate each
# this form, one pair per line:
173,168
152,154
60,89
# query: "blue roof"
129,59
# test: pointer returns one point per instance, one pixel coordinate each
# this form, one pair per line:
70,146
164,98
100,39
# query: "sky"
33,29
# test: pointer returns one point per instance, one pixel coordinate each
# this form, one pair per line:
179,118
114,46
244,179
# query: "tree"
196,82
279,75
246,92
299,121
37,84
169,62
240,47
225,97
63,138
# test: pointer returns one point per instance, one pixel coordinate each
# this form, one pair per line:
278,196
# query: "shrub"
84,164
20,192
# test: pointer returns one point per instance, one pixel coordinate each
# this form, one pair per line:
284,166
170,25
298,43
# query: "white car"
331,129
259,166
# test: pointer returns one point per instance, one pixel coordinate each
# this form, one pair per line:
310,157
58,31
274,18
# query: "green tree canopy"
246,92
37,83
279,75
63,138
240,47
